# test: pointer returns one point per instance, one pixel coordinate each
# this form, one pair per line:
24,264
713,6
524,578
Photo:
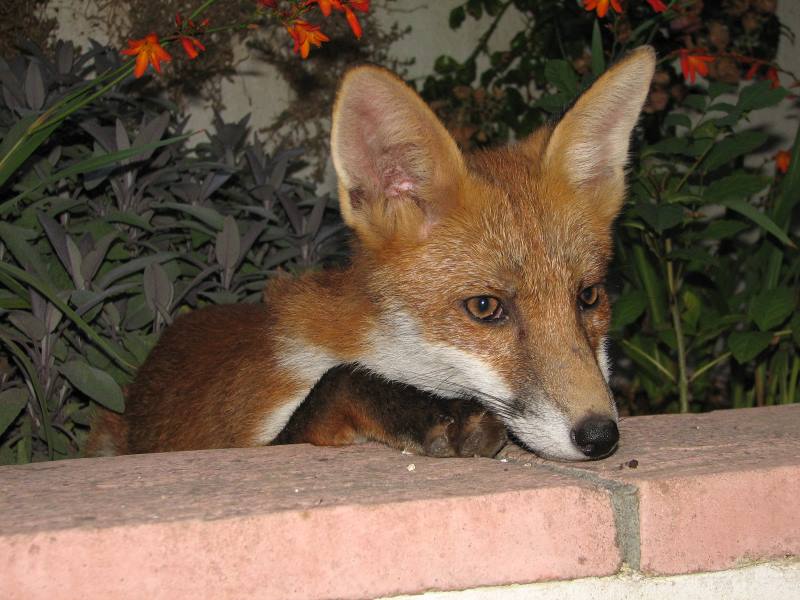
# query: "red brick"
293,522
714,489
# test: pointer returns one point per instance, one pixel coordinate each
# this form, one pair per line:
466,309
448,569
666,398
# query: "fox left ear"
589,145
399,170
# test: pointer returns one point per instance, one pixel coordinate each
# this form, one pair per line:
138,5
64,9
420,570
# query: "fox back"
478,275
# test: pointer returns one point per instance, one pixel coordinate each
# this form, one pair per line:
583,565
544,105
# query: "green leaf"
738,185
493,7
723,107
12,402
475,9
699,255
696,101
457,16
598,58
137,315
32,327
46,291
746,345
707,130
674,119
726,150
652,283
228,244
93,163
762,220
139,344
788,196
158,289
15,239
96,384
17,147
132,266
552,103
116,216
445,64
206,215
628,308
561,74
718,230
671,145
33,381
760,95
772,307
717,88
692,307
794,324
659,216
728,120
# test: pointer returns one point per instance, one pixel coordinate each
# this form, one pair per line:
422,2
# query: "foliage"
114,227
707,270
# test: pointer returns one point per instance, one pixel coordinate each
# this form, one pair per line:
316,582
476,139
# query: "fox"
473,307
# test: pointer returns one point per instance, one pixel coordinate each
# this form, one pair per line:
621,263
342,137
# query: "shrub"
94,264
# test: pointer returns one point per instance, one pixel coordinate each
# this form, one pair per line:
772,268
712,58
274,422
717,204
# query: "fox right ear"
399,170
589,146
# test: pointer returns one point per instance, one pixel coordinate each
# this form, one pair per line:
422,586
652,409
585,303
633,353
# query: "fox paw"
474,434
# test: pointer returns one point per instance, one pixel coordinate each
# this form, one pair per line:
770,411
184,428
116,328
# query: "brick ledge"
707,493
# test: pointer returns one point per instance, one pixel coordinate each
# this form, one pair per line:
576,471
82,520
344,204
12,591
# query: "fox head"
487,268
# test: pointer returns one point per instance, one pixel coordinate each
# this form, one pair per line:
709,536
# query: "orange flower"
657,5
346,7
147,51
772,75
304,34
601,6
694,63
326,5
751,72
782,160
192,46
191,25
352,20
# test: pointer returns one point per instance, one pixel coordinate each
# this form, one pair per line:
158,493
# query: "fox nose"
596,436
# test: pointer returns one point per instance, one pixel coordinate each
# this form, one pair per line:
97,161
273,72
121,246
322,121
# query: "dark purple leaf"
34,86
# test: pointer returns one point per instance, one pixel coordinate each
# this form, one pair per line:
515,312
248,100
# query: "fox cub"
473,304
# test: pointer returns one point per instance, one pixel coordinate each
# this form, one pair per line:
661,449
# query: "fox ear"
589,145
399,170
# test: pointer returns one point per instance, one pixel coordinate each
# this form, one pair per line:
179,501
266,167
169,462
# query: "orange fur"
528,225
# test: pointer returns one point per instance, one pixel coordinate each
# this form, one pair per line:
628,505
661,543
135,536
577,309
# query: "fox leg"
349,406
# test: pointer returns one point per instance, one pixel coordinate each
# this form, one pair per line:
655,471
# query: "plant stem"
709,365
791,393
203,8
484,39
653,361
759,384
677,325
694,166
83,101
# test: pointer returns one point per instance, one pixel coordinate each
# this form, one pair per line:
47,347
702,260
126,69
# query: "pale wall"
262,93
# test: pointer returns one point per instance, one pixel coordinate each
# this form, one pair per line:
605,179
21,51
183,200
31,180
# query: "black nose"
596,436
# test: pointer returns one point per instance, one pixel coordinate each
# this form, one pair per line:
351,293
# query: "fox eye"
485,308
589,296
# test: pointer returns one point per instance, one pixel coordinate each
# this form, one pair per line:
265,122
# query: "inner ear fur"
399,169
589,145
